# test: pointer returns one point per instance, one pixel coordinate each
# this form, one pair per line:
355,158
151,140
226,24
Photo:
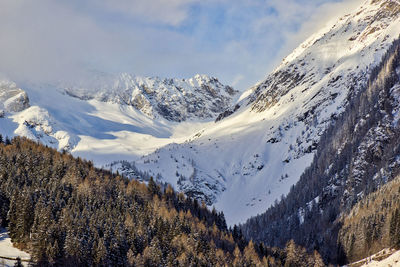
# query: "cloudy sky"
238,41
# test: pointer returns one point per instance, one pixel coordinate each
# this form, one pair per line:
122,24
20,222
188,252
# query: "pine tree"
53,253
238,258
317,260
15,230
100,253
4,206
18,262
8,141
394,229
294,256
154,189
251,255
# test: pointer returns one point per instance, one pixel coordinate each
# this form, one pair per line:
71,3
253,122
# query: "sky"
237,41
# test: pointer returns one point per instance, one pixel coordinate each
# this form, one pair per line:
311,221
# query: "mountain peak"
200,97
355,41
259,148
370,13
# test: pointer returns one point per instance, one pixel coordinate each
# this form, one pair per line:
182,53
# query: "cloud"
170,12
238,41
43,39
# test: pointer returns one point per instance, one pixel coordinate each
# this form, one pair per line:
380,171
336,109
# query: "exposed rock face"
37,124
200,97
12,98
32,121
325,60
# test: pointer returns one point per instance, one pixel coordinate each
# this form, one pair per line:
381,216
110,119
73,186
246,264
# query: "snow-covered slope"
248,159
18,117
384,258
107,124
8,252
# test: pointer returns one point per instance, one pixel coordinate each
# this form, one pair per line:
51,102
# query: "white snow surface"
7,250
106,129
246,161
374,261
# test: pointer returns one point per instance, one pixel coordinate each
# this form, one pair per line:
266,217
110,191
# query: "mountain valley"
317,140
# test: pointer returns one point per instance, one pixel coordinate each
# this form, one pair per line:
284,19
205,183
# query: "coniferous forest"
65,212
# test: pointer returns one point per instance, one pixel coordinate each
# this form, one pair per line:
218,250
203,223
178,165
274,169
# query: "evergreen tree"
8,141
394,229
18,262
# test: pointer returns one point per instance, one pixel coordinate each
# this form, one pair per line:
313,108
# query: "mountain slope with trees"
65,212
260,146
355,157
373,224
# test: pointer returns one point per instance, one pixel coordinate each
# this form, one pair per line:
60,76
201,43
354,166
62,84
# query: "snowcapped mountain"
200,97
259,148
112,118
357,156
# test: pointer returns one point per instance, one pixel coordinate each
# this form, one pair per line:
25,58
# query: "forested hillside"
356,156
373,224
65,212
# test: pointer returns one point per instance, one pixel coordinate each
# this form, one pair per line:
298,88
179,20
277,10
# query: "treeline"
355,156
65,212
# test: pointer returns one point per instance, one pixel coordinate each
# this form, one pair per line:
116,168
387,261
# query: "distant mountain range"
64,115
200,97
